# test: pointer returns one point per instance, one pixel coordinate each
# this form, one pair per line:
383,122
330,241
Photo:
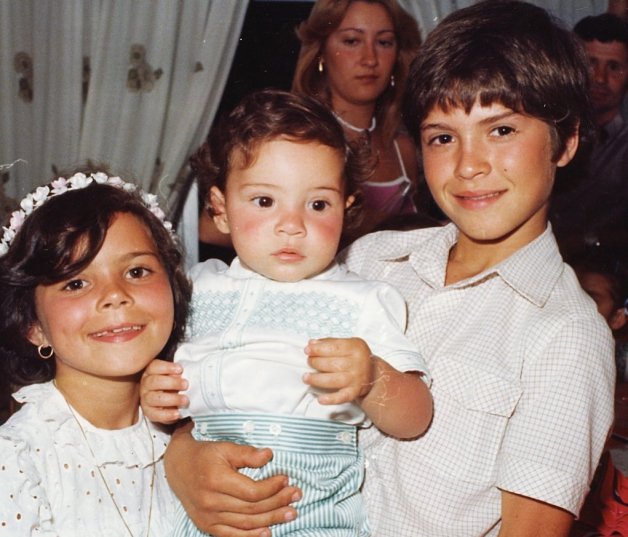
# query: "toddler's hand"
159,389
345,369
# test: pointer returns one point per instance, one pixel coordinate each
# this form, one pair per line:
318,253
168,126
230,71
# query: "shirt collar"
532,271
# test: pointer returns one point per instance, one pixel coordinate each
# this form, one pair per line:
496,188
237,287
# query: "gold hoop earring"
45,351
392,81
320,65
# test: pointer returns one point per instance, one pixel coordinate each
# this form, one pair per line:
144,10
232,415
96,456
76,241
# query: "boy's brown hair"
507,52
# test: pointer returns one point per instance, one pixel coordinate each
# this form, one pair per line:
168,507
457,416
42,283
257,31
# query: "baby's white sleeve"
382,325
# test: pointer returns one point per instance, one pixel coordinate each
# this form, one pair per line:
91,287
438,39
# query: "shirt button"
248,427
344,437
275,429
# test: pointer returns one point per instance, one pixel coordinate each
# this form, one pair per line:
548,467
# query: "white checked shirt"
523,376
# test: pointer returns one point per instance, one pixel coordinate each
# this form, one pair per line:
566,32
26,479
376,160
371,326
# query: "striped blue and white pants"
321,457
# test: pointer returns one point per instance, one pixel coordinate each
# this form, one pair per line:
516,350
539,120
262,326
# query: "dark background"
268,49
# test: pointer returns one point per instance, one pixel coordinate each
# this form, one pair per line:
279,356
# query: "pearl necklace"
102,477
353,128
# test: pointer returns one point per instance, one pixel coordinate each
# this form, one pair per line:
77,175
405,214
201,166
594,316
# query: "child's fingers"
162,367
160,397
327,364
167,416
337,387
163,399
345,395
162,406
331,345
175,383
327,381
325,347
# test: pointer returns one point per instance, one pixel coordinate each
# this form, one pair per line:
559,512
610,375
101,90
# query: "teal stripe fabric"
319,456
288,433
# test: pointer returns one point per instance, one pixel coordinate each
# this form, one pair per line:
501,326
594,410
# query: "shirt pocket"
472,409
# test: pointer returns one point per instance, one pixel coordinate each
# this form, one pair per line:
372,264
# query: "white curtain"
429,13
133,84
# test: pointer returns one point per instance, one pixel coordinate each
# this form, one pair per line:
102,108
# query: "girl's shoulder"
40,416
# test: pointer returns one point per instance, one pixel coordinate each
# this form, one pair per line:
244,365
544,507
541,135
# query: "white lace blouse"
49,483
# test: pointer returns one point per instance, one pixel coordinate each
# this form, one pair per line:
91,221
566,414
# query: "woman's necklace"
102,477
353,128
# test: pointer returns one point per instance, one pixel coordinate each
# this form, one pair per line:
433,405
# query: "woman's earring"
320,65
392,81
45,351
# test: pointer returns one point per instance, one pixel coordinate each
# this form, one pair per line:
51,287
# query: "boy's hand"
159,389
345,369
219,499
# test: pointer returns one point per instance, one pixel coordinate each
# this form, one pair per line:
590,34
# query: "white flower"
116,181
60,186
9,235
149,199
79,180
40,195
27,204
17,219
100,177
158,213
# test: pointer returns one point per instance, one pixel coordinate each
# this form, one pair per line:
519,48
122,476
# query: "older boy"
522,363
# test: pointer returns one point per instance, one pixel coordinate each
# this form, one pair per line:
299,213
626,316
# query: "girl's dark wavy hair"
268,115
56,242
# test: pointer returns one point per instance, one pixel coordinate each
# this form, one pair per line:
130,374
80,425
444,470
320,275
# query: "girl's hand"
345,369
159,391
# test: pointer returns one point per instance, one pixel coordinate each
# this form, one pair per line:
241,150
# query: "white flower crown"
61,185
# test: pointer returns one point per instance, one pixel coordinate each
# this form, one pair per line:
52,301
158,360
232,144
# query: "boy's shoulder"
559,307
392,244
571,300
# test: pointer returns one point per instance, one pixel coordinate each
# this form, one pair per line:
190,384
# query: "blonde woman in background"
354,57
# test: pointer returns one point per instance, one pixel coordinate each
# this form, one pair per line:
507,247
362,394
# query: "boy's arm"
399,404
525,517
219,499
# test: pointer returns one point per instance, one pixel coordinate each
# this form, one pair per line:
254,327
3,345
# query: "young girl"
282,178
91,290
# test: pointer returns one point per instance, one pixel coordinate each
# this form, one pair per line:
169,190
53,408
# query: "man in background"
593,208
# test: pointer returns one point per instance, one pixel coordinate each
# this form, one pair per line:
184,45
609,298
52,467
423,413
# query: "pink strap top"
390,197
